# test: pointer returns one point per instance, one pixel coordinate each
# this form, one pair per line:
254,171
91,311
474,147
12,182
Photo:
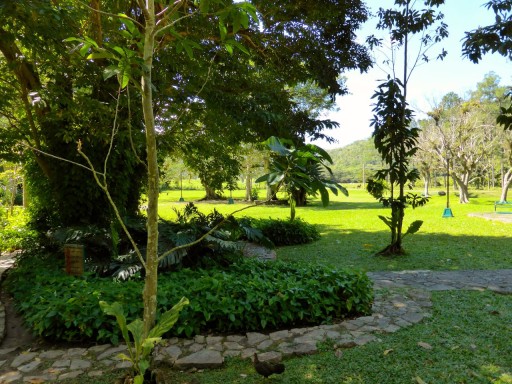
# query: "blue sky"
429,82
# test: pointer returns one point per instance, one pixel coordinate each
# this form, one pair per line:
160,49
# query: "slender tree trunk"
151,279
248,185
426,181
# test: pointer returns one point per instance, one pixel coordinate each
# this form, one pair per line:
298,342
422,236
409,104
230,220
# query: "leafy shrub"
14,231
249,296
287,232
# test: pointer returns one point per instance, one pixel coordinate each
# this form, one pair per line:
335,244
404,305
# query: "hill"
349,161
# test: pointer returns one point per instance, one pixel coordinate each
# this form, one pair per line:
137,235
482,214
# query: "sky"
428,83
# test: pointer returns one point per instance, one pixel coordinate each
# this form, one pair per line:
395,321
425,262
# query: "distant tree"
463,132
253,160
300,171
426,162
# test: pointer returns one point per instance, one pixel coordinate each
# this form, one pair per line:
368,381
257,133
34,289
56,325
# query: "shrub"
287,232
249,296
14,232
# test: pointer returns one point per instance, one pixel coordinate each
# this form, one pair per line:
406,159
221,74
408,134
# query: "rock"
298,349
201,360
79,364
70,375
22,359
254,338
51,355
271,357
30,366
258,251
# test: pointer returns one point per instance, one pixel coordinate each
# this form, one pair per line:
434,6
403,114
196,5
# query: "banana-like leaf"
414,227
386,221
136,328
116,309
167,319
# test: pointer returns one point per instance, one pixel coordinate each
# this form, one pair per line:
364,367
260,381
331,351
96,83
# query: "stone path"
393,309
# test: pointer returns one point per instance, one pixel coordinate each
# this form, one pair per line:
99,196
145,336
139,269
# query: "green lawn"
352,232
469,333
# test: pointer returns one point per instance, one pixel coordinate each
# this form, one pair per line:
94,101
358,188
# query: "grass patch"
469,332
352,233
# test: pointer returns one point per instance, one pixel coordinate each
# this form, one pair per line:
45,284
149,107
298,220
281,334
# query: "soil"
17,335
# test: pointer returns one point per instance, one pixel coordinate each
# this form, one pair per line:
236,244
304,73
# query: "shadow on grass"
344,205
436,251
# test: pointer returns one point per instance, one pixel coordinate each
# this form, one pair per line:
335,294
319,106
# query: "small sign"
74,257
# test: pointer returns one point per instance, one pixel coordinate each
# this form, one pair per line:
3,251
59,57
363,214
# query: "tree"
300,171
495,38
394,137
252,163
463,133
49,100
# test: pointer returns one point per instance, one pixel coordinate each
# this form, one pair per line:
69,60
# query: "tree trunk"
270,192
210,193
300,197
248,186
462,184
26,196
426,181
507,180
151,279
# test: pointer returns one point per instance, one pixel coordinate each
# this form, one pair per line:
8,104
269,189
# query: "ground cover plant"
248,295
13,230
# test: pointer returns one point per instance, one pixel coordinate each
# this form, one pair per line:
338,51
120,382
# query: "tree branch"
110,14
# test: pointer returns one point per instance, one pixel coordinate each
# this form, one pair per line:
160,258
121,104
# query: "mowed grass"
469,335
352,232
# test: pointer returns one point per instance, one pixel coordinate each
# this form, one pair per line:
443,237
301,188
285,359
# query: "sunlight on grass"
352,232
469,333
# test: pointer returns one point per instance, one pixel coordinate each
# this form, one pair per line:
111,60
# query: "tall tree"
394,137
494,38
49,101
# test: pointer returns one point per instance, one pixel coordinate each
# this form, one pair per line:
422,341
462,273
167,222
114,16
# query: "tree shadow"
344,205
353,248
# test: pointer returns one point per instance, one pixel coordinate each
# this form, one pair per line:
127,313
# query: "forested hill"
349,160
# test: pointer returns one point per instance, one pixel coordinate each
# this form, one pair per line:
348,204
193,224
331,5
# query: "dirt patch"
505,217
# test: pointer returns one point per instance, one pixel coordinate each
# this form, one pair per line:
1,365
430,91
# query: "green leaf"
229,48
386,221
414,227
116,309
136,328
110,71
204,6
100,55
223,30
168,319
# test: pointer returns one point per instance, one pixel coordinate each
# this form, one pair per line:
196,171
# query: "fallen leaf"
424,345
419,380
387,352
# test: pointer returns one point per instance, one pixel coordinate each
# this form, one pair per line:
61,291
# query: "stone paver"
393,308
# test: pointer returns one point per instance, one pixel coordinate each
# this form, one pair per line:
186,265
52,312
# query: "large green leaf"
168,319
414,227
136,328
116,309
